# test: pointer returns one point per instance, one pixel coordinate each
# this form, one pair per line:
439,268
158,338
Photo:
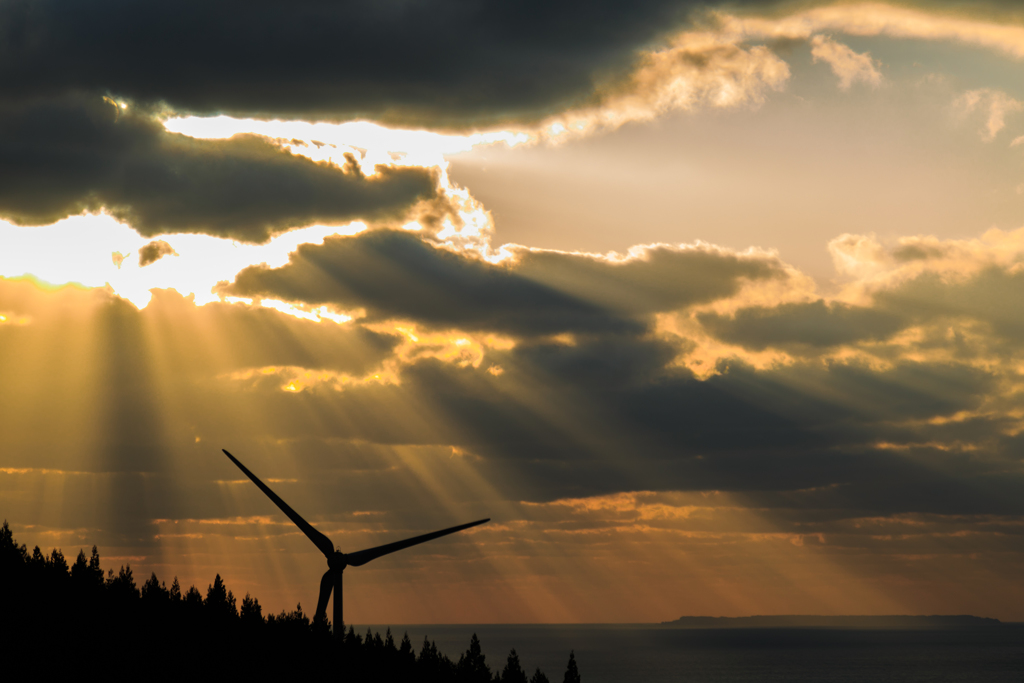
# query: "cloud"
652,278
995,103
879,19
847,65
814,324
583,67
396,274
65,156
152,252
469,63
697,69
814,445
920,298
895,396
880,417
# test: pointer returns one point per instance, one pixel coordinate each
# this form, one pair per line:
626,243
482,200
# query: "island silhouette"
884,622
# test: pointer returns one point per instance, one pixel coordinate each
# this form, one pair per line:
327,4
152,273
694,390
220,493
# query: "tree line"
57,614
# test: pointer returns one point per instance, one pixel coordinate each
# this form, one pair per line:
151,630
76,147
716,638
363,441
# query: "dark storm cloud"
569,421
397,274
60,157
806,428
454,61
815,324
664,279
154,251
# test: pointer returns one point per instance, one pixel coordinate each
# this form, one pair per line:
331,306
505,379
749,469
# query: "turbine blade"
361,557
326,585
319,540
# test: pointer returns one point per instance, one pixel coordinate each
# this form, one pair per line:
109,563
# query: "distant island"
958,622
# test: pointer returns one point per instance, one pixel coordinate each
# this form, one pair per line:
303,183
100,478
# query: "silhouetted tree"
432,666
220,602
57,564
43,601
572,674
11,554
405,659
94,566
154,593
290,623
175,592
122,587
80,569
472,666
538,677
193,598
252,613
513,671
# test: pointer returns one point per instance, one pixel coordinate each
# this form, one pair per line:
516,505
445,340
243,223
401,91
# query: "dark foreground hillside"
67,618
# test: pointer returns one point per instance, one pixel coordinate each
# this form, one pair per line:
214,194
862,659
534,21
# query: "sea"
652,653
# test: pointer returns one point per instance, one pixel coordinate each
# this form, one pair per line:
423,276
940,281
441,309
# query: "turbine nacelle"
337,561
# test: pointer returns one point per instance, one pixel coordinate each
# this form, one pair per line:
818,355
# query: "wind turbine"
337,560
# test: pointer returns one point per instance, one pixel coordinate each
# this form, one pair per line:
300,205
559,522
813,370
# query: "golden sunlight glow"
712,67
874,19
344,404
328,141
14,319
78,249
313,315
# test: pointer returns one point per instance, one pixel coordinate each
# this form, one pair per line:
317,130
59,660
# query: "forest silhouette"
56,614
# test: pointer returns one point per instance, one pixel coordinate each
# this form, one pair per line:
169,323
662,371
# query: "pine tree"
122,586
80,569
426,656
352,638
539,677
193,597
472,666
94,566
216,595
405,649
153,592
220,602
572,674
57,563
513,671
252,613
11,554
406,658
175,592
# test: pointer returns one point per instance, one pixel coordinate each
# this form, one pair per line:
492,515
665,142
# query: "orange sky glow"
728,326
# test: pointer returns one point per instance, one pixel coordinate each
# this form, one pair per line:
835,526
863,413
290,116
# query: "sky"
713,308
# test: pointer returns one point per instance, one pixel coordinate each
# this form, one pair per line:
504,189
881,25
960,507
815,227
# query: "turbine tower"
337,560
